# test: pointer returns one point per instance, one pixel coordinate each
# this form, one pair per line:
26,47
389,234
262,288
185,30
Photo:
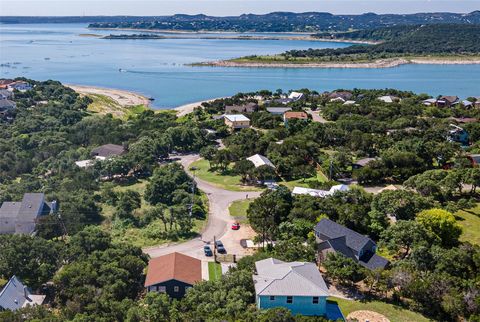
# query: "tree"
128,201
164,182
154,307
208,153
441,224
222,159
244,168
33,259
401,204
343,269
403,236
268,211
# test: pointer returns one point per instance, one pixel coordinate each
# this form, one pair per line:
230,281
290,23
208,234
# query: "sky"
226,7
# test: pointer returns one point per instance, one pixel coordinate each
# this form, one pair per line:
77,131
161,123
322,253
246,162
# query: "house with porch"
447,101
297,286
236,121
333,237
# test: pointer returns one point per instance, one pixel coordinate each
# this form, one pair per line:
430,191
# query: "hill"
271,22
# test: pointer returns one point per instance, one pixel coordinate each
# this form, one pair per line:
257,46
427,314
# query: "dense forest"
398,41
287,22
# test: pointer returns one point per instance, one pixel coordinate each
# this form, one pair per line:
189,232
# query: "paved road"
316,117
218,223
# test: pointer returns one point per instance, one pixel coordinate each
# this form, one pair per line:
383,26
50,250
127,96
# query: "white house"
389,99
259,160
20,86
320,193
295,96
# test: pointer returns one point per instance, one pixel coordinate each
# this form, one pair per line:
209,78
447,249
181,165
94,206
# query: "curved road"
218,223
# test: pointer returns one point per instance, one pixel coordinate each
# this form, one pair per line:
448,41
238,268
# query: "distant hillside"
272,22
291,22
405,40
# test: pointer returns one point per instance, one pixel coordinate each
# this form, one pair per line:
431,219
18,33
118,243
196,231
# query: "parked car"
220,248
235,226
207,250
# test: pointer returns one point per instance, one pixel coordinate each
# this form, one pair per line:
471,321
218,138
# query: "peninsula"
419,44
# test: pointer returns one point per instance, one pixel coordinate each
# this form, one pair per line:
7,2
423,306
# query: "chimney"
25,293
53,206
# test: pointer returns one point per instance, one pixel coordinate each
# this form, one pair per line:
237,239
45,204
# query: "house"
6,106
320,193
297,286
5,82
20,217
5,94
294,115
247,108
108,151
295,96
340,96
283,101
362,162
333,237
237,121
173,274
459,135
259,160
429,102
467,104
477,102
278,110
15,295
389,99
19,86
84,163
447,101
349,103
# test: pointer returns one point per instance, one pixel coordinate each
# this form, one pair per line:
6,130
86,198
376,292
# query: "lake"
156,67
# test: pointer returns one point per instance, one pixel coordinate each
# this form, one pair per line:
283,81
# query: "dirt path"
218,224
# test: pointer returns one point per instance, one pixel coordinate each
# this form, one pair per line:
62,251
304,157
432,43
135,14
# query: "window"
315,300
272,298
176,289
289,299
161,289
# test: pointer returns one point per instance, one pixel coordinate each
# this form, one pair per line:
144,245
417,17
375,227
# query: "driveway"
218,223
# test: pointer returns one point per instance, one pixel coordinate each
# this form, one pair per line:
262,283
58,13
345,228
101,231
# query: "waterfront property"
15,295
333,237
20,217
19,86
389,99
295,96
447,101
5,82
340,96
173,274
297,286
237,121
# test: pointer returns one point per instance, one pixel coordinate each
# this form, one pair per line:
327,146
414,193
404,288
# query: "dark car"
207,250
220,248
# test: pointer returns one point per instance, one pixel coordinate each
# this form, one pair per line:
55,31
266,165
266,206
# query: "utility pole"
330,172
193,169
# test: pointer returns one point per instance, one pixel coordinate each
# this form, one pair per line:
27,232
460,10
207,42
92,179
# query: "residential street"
218,223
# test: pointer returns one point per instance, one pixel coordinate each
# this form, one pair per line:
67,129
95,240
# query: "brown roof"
108,150
247,108
450,99
295,115
174,266
4,81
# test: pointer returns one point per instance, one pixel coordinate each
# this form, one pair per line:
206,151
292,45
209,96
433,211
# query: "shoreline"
238,36
380,63
122,97
188,108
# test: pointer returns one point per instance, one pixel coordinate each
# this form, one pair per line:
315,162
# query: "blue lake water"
157,68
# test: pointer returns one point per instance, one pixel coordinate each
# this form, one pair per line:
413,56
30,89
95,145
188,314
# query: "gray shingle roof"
278,278
373,261
12,297
332,230
10,209
7,104
108,150
32,206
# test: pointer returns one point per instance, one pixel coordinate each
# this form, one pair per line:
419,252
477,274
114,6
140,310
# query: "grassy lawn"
321,177
392,312
227,181
106,105
470,222
238,209
149,235
214,271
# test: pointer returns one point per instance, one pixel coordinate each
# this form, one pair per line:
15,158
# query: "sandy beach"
188,108
122,97
381,63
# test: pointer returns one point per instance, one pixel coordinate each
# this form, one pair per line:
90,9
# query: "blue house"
297,286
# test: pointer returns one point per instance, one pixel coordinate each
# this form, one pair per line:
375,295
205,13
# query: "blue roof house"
297,286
